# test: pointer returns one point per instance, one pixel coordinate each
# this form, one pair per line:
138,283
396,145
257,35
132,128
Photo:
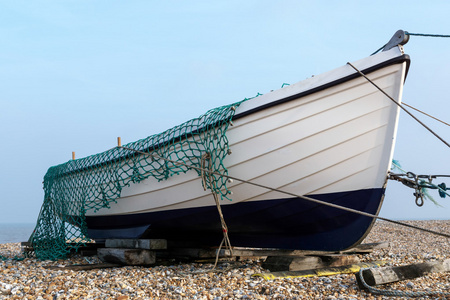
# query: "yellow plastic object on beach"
350,269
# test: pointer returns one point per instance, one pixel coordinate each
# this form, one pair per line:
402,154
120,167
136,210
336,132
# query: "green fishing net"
77,186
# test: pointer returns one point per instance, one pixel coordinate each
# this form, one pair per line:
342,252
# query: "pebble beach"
32,279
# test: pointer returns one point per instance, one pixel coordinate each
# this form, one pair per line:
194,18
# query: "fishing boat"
330,137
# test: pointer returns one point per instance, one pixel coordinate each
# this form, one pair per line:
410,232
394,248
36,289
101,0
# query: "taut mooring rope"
428,34
415,34
293,194
422,112
401,106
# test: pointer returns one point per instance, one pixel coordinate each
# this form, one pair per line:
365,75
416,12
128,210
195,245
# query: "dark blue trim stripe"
287,223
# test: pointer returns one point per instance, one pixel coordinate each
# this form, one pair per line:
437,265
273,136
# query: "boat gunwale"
392,61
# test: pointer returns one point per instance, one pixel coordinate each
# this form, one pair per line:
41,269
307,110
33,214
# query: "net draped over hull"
77,186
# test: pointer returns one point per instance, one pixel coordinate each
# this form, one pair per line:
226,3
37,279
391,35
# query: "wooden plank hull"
330,137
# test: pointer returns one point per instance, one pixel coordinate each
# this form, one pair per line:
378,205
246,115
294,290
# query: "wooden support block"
90,252
26,247
249,252
293,263
149,244
384,275
177,251
132,257
186,253
367,248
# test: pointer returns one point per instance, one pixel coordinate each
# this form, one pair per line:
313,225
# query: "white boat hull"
328,136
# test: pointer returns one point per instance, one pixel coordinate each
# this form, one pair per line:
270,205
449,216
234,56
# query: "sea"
15,232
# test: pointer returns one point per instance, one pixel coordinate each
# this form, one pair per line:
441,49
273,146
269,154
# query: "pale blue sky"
75,75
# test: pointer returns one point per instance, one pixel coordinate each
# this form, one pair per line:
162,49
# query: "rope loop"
419,198
412,176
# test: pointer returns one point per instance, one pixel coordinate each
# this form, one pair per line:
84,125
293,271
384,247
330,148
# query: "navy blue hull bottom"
287,223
